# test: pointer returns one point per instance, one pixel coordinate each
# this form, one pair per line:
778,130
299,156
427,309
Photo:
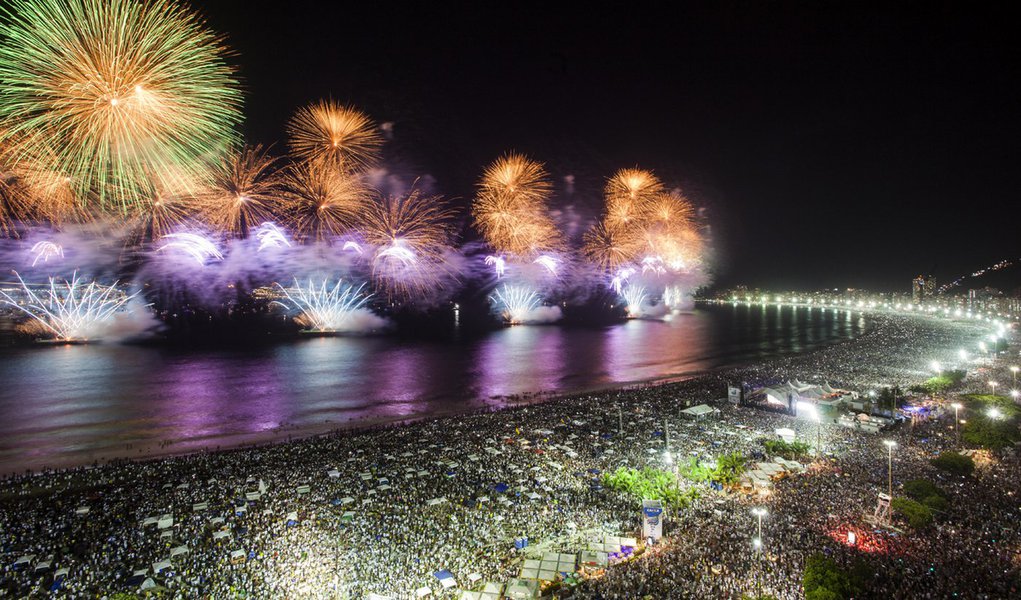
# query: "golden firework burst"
335,135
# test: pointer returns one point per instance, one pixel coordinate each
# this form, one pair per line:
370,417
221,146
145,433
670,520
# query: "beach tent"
220,534
159,566
522,589
199,506
446,578
423,592
165,521
178,550
699,412
82,510
148,584
473,578
334,474
467,595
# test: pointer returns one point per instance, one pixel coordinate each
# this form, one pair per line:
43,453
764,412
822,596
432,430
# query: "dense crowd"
379,512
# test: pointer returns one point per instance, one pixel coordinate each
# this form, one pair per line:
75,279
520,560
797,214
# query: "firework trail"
499,265
112,93
339,137
191,244
44,251
271,236
337,309
72,311
245,190
412,237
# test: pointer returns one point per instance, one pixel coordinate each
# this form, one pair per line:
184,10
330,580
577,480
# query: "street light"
889,446
1013,373
937,367
1014,394
993,385
994,413
957,422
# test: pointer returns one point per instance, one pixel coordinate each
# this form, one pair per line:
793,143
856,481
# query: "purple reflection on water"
69,405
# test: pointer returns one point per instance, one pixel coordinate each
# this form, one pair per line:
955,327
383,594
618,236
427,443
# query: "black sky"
833,144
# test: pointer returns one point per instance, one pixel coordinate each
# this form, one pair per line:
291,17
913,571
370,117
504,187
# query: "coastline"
701,380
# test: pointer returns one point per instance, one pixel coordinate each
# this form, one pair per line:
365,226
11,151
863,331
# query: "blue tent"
501,488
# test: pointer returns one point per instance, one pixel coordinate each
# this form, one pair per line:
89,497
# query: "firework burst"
412,235
322,203
111,93
73,310
245,191
610,248
515,303
629,194
510,207
322,308
334,135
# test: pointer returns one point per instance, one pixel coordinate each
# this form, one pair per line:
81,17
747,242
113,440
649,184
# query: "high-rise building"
917,289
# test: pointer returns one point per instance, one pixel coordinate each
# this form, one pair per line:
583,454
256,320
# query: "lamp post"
889,468
993,384
1013,374
937,367
957,422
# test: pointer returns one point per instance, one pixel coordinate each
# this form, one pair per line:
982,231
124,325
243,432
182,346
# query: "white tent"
178,550
422,592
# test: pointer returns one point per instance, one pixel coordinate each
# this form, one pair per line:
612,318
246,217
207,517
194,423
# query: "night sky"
832,144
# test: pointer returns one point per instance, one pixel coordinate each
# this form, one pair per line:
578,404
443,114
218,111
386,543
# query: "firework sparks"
197,247
634,296
610,248
337,136
322,308
515,303
245,190
628,196
44,251
510,207
412,235
112,93
499,265
271,236
323,203
73,310
551,264
352,247
618,281
158,212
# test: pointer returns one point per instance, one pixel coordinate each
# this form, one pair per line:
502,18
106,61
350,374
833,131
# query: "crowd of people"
388,511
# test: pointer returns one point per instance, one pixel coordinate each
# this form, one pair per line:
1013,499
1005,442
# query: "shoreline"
183,448
290,433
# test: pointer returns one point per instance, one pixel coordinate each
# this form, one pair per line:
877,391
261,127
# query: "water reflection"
71,404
